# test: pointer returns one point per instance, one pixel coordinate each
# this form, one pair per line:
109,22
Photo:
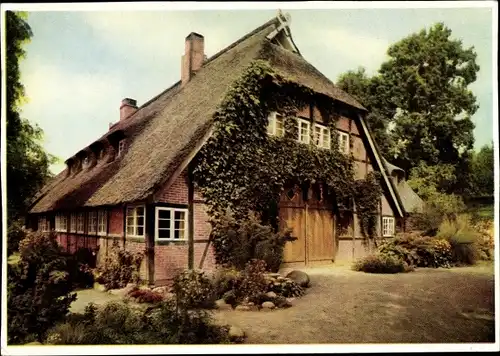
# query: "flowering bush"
120,268
379,263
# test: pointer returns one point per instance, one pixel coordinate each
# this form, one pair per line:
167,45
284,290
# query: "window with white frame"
72,223
80,223
92,222
121,147
61,222
43,224
276,126
322,136
102,222
135,221
303,130
387,226
171,224
343,142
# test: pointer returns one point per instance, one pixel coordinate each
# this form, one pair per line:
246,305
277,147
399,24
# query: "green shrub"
119,323
120,268
439,206
15,233
39,288
486,240
380,264
463,238
146,296
193,289
225,280
238,242
253,282
287,288
417,251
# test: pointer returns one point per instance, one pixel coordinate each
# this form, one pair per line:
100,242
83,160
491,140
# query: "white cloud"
73,108
359,49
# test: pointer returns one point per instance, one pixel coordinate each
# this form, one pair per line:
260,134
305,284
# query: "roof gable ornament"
283,28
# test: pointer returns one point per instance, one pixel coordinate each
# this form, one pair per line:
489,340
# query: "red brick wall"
177,193
343,123
116,221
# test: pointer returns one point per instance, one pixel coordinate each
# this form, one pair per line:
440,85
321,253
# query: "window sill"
167,242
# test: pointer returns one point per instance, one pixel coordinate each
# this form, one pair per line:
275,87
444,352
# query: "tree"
483,170
421,96
367,91
27,162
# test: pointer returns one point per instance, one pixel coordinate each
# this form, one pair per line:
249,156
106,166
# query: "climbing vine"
243,169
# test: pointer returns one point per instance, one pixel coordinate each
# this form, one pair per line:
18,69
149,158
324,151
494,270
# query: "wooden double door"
311,217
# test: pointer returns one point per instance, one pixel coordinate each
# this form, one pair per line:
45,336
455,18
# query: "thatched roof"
165,130
410,200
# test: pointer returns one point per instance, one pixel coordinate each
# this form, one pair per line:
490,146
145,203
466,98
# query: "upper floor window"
61,222
387,226
121,147
102,222
303,130
135,221
321,136
43,224
171,224
276,126
343,142
86,162
92,223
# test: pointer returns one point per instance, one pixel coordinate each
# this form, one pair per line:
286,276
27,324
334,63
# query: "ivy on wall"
243,169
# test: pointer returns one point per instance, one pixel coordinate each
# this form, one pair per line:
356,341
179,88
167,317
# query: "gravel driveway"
343,306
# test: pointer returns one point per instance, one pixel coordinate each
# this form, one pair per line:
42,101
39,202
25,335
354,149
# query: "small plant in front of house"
146,296
379,263
193,289
120,268
239,241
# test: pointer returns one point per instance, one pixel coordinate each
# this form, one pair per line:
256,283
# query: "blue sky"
80,65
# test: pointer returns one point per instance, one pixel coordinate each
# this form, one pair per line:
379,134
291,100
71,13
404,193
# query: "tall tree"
421,95
367,91
483,171
27,162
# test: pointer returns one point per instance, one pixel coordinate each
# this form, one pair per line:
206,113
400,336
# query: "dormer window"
121,147
343,142
321,136
304,127
86,162
276,126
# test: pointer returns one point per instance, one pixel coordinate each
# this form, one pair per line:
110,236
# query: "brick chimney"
127,108
194,55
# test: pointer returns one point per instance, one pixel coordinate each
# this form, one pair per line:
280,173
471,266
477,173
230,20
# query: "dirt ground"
343,306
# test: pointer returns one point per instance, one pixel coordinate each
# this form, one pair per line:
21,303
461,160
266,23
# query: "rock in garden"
299,277
290,300
268,305
161,290
236,333
221,304
271,295
242,308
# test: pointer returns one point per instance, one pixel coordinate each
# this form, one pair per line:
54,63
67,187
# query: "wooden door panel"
294,218
320,235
